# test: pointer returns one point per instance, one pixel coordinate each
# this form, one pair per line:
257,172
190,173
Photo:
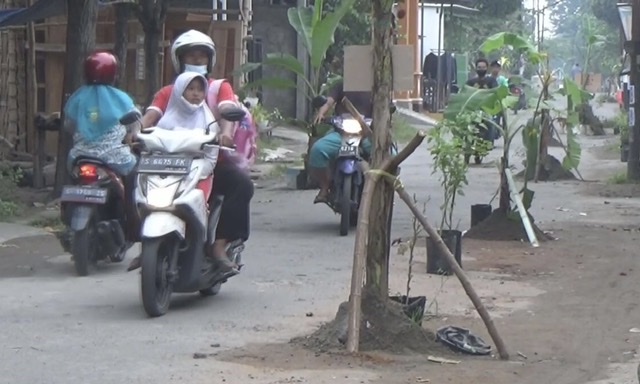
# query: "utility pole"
633,48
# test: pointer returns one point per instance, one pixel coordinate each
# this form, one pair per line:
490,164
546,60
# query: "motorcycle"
345,193
93,209
174,183
518,91
485,133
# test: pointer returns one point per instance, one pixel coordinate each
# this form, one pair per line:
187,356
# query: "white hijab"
180,113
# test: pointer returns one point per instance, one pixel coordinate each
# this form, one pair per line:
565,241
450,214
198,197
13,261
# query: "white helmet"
192,39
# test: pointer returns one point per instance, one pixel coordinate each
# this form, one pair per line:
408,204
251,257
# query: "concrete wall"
270,24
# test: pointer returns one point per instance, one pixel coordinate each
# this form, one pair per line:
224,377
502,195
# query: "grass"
48,222
401,129
620,178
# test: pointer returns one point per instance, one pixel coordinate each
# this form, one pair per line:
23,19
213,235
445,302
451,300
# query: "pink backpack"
245,131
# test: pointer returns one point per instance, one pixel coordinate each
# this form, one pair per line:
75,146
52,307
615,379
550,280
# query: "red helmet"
100,68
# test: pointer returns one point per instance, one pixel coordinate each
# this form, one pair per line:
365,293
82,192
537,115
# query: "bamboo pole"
32,108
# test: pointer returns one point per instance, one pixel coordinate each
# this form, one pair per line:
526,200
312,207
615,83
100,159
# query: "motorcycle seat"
88,159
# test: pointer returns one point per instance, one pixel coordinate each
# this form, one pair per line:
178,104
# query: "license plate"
165,164
83,194
348,150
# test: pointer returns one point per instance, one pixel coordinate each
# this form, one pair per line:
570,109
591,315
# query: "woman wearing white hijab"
187,108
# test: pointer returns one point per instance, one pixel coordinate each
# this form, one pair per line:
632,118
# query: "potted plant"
264,119
448,142
412,306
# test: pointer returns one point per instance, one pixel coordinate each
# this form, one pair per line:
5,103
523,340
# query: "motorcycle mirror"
318,101
130,117
233,114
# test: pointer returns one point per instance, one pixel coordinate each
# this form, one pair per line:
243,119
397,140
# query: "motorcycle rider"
91,115
193,51
326,149
496,67
483,81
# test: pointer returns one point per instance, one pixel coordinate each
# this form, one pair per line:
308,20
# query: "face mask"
201,69
481,72
191,107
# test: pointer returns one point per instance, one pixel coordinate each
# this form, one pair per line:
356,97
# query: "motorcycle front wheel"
156,284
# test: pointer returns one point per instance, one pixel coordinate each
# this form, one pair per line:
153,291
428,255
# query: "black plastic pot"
624,153
413,308
479,213
436,262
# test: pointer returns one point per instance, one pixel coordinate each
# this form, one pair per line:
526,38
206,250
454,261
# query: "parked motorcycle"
174,182
94,212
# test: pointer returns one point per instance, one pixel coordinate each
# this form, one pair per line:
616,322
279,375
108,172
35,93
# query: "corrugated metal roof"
41,10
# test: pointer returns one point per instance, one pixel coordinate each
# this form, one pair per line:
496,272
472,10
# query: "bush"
10,205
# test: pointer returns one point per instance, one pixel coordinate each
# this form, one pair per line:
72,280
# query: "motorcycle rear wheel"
83,248
345,205
155,269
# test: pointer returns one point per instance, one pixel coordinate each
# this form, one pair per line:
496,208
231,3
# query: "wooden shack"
50,38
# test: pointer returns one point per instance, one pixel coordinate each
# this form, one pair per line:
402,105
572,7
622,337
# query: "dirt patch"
590,273
630,190
385,327
26,256
499,227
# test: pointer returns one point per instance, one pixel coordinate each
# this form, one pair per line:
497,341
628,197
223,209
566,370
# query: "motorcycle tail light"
88,173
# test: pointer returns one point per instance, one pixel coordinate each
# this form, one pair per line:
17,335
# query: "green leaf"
470,99
515,41
331,81
323,32
301,19
575,94
246,68
285,61
318,5
272,82
527,198
574,152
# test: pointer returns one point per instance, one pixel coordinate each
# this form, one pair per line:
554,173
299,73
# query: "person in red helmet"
92,113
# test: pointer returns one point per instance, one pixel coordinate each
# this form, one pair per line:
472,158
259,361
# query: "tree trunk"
151,14
123,12
152,66
379,222
81,38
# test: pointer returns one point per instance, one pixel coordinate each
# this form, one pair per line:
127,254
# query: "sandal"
135,264
320,198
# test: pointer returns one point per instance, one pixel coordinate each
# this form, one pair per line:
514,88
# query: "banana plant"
316,30
573,92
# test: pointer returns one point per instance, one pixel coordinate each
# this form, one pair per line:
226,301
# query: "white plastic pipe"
523,212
